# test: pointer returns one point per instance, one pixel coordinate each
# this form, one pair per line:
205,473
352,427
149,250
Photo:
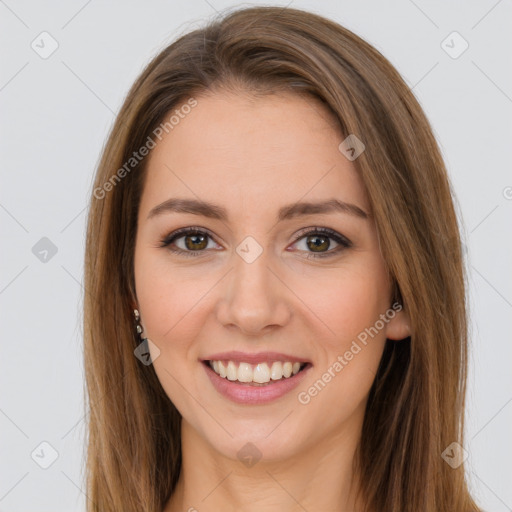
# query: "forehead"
235,149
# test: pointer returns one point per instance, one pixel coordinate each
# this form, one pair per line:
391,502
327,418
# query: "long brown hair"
416,404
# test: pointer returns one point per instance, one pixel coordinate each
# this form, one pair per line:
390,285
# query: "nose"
254,299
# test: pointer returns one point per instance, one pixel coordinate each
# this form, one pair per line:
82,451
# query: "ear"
399,325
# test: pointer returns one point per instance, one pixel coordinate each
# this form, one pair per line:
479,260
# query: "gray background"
56,114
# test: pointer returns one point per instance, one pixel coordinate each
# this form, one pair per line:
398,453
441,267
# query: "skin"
253,156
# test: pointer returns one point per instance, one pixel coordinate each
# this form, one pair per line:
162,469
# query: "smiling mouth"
261,374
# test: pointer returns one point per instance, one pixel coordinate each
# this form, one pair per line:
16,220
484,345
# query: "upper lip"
254,358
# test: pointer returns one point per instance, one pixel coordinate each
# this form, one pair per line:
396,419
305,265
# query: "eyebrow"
214,211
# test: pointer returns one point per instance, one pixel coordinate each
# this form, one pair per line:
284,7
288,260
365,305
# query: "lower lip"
254,395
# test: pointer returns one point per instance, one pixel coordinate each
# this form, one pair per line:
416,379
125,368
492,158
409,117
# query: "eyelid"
338,237
178,233
342,241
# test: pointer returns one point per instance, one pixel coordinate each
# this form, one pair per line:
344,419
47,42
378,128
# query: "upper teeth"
260,373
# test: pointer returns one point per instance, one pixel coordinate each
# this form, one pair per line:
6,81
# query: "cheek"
348,301
349,304
171,304
168,299
349,358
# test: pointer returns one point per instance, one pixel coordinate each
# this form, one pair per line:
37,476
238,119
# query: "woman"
275,316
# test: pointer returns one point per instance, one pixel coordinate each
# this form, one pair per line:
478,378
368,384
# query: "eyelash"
344,243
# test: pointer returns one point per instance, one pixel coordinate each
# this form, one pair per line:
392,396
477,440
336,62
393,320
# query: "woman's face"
262,284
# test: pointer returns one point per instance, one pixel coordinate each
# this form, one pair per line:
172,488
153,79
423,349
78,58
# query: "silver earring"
138,326
146,351
142,351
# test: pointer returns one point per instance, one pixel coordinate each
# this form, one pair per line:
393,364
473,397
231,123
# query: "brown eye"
189,242
318,243
321,243
196,242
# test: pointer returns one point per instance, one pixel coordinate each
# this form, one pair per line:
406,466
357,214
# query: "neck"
321,477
